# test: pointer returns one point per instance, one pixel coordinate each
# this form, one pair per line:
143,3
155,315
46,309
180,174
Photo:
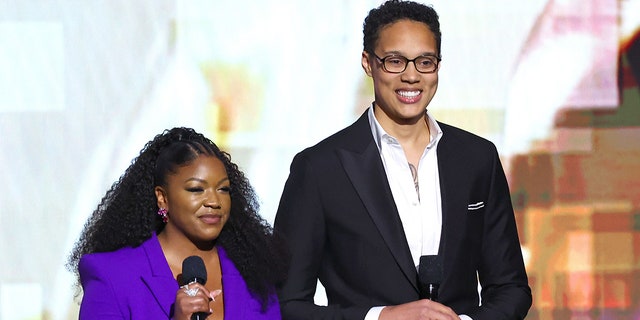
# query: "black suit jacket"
339,218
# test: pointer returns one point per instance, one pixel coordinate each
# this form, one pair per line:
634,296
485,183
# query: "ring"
191,292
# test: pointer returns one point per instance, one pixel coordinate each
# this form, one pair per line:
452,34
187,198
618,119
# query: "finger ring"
191,292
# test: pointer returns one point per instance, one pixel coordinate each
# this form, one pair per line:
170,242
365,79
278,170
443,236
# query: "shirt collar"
379,133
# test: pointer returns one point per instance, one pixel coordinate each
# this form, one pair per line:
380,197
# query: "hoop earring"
162,212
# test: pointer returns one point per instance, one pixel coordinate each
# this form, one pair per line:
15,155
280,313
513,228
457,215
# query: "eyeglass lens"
397,64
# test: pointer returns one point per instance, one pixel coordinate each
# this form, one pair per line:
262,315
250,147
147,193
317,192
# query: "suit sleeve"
505,290
300,219
99,299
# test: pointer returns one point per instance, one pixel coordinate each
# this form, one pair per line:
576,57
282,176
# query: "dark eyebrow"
195,179
204,181
397,53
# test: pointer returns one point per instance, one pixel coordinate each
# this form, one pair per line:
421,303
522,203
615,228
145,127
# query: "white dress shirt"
421,214
420,208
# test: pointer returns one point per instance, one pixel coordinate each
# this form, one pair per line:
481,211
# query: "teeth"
409,94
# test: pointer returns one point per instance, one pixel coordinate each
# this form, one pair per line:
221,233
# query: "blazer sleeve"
505,290
300,219
99,300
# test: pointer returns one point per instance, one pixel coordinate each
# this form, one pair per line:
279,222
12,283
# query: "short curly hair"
393,11
127,214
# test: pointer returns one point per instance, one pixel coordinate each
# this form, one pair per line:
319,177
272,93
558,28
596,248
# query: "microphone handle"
199,316
429,291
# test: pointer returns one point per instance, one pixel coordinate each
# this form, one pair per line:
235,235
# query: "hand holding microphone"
429,280
194,277
194,271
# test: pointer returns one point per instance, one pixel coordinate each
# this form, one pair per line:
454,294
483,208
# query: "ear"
161,197
365,63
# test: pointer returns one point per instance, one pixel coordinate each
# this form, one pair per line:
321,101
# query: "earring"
163,213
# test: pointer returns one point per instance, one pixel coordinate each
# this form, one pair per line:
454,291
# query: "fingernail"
213,294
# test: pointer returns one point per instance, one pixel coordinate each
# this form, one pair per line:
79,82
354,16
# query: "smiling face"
197,198
402,97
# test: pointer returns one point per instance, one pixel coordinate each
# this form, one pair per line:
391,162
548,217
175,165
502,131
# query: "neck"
411,131
179,246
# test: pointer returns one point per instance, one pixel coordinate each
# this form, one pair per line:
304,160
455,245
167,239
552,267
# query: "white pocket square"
475,206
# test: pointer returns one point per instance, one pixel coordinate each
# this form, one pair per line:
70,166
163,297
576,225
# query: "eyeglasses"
398,64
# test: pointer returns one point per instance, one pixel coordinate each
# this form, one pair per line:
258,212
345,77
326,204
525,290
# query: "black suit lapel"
364,168
449,162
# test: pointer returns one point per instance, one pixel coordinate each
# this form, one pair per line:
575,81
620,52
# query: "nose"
213,204
411,73
212,201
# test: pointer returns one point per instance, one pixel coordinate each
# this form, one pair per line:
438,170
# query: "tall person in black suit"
361,207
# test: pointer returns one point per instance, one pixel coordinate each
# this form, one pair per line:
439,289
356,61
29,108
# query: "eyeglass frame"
384,67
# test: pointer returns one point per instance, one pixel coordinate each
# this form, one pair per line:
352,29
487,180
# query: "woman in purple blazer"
181,197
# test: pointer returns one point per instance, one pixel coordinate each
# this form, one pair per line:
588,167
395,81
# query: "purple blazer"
137,283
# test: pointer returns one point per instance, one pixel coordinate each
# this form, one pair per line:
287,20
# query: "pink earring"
163,213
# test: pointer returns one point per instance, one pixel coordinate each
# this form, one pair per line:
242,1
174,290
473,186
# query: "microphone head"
430,269
193,269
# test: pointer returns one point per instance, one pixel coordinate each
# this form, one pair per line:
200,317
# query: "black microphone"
429,277
193,270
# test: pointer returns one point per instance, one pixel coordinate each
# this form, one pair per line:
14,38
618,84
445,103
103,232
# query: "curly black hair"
127,214
393,11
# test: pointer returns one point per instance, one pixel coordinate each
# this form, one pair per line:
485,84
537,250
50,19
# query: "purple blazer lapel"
160,281
239,303
234,288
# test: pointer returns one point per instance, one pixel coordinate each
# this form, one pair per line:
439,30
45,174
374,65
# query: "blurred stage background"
554,84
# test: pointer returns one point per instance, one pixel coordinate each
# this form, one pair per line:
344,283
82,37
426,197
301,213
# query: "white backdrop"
84,84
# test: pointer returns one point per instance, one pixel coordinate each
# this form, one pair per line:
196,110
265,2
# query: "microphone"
193,269
429,277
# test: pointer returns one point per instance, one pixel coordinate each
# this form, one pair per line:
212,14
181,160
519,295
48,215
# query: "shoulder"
106,263
465,139
355,137
113,257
